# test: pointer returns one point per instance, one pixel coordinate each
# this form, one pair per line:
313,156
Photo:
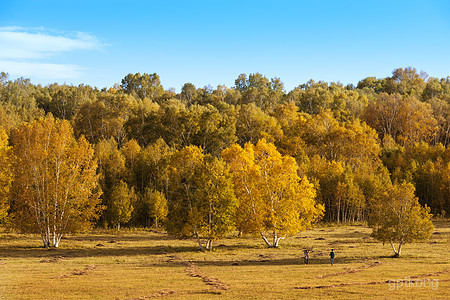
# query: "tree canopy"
339,148
55,180
397,217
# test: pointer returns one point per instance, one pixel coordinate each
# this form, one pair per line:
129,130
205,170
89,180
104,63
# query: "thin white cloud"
20,43
42,71
29,51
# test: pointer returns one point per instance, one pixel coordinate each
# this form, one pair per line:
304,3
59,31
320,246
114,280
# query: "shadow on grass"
40,252
349,235
257,257
273,261
106,245
441,223
120,237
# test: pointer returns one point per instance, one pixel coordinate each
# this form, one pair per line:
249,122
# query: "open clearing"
145,264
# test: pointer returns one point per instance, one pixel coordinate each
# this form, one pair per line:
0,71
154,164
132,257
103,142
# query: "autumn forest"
252,158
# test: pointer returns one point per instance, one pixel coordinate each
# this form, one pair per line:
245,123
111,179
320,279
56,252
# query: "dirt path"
411,279
352,270
159,294
216,283
80,272
193,271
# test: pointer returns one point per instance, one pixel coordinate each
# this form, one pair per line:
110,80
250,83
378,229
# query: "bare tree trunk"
47,236
393,247
344,213
209,243
400,248
338,210
265,240
198,240
277,241
57,240
397,252
54,236
44,240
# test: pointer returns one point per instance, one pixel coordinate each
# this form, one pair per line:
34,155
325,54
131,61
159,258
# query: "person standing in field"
306,257
332,256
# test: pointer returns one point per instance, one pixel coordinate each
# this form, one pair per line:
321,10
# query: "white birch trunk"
209,244
265,240
277,241
198,239
397,252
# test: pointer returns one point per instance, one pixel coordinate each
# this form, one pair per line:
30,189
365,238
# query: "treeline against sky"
349,141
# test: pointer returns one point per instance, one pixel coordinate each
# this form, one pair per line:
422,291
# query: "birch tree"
54,182
201,200
218,202
397,217
121,204
157,205
271,196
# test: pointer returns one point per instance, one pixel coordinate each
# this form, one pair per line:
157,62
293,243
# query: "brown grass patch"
80,272
411,279
352,270
163,293
84,271
54,259
216,283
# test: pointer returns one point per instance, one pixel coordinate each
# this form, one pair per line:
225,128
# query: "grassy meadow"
145,264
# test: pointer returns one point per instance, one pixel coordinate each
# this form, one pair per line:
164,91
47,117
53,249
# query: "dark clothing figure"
306,257
332,256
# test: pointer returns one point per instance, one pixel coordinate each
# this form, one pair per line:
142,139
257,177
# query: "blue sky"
212,42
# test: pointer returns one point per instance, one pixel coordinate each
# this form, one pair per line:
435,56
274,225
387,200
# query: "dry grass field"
143,264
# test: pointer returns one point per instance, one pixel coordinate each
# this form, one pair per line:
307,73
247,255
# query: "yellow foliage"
397,216
55,180
5,174
201,200
270,194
